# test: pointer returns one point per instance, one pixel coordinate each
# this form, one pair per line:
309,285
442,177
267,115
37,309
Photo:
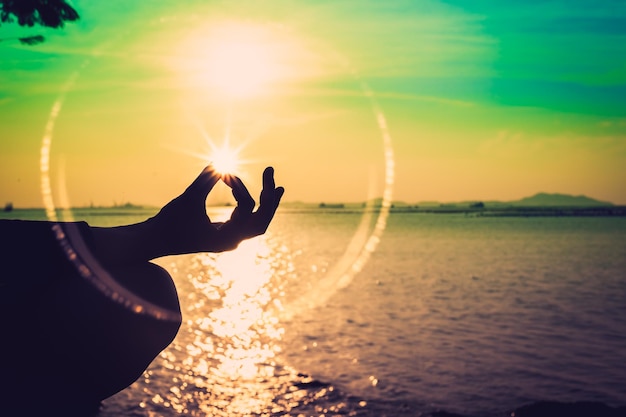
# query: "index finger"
204,183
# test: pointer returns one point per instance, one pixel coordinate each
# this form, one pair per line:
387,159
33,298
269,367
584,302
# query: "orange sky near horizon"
146,97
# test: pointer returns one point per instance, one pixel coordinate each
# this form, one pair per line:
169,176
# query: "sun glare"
225,160
240,67
236,60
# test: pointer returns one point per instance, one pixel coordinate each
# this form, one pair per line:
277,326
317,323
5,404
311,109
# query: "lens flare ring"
357,253
363,244
69,237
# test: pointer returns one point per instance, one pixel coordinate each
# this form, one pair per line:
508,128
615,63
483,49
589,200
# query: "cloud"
507,144
403,38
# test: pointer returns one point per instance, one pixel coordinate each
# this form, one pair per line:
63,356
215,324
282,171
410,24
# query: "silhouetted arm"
98,345
183,226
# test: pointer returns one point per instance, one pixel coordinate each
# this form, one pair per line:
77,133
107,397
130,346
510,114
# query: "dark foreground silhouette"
65,345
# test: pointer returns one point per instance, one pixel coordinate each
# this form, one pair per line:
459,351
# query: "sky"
430,100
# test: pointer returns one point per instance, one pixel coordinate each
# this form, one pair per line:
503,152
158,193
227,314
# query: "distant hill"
559,200
537,200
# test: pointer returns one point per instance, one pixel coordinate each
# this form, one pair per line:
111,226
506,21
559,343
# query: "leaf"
32,40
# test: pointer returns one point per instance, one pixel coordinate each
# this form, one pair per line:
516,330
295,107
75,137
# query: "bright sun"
240,67
236,60
225,160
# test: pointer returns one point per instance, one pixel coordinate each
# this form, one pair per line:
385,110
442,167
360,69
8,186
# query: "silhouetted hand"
184,226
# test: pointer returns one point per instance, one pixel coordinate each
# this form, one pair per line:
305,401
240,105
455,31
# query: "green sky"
483,100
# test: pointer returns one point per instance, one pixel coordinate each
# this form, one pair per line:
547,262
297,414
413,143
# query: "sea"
337,312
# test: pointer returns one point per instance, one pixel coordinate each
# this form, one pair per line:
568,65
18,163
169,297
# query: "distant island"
559,200
537,200
540,204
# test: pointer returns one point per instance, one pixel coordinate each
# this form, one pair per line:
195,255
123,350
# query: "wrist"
128,244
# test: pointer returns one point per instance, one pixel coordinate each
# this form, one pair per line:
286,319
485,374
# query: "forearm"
129,244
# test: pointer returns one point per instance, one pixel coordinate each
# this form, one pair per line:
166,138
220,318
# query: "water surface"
472,315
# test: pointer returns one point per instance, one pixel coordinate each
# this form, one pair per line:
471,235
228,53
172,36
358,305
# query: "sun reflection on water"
246,333
231,355
223,361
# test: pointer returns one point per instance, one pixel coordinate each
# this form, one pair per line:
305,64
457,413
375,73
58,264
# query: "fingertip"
204,182
268,178
228,179
268,174
210,172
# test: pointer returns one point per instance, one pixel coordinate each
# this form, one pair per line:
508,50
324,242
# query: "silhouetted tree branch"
28,40
32,40
50,13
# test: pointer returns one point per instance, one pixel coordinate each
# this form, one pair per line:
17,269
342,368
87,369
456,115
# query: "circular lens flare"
227,161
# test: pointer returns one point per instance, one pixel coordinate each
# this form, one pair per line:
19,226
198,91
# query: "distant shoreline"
498,211
521,211
611,211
